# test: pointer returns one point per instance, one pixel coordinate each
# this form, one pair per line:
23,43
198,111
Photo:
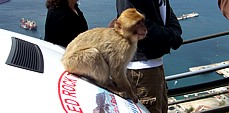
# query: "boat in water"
187,16
28,24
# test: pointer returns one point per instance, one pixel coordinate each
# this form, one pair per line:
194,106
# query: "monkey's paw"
134,98
122,94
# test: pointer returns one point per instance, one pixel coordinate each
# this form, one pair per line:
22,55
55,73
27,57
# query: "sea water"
99,13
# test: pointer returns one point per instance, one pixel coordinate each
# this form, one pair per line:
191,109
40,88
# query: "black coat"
160,38
63,25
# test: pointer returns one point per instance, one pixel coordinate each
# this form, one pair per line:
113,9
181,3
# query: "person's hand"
178,42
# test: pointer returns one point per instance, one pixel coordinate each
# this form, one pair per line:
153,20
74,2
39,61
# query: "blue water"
98,13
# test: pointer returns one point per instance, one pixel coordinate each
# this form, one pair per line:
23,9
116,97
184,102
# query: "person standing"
64,21
146,71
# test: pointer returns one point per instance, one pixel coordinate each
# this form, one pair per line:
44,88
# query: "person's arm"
121,5
169,35
178,31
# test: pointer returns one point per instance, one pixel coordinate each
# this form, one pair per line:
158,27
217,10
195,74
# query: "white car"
33,80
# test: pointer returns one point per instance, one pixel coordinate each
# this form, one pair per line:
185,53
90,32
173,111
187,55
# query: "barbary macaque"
103,53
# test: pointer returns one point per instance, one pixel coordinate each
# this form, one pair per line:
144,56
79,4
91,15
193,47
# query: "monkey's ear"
117,25
111,24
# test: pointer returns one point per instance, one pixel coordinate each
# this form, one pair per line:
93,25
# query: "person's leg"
164,96
150,84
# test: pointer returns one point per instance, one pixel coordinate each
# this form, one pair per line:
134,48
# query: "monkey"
104,53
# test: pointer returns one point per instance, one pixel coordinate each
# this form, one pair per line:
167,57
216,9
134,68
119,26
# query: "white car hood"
50,89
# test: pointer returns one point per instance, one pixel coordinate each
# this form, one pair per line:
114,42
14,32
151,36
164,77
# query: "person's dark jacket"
63,25
160,38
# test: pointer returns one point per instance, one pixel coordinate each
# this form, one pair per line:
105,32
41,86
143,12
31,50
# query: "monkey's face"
140,30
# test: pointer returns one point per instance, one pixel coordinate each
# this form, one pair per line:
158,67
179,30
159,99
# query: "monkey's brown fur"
103,53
